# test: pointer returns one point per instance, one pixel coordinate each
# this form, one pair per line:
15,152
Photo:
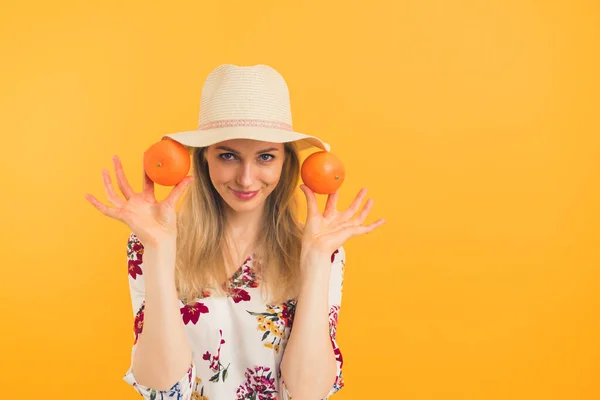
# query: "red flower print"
245,276
134,268
334,253
135,248
286,314
333,319
135,252
138,324
239,295
338,355
217,368
191,313
138,248
339,379
258,386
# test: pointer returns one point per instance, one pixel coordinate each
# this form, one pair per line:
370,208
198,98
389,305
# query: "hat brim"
207,137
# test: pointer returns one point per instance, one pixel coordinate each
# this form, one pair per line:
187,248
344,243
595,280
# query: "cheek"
214,176
219,174
272,177
218,180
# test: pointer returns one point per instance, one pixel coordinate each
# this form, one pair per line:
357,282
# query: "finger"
103,208
147,184
126,189
311,200
359,219
362,216
351,231
371,227
110,190
355,204
356,223
173,197
331,206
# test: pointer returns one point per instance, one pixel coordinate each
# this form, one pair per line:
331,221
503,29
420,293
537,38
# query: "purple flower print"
259,385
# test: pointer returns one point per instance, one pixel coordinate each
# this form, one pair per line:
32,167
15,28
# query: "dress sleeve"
336,281
181,390
338,262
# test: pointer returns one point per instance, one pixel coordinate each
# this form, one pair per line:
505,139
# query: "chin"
242,208
244,205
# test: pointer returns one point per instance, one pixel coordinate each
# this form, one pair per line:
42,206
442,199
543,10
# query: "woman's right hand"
150,220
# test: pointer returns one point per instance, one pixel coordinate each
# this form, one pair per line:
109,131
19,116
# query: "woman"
233,298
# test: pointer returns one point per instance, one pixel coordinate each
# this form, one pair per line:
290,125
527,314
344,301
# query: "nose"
245,176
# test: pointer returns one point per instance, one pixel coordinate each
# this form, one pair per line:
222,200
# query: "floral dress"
237,341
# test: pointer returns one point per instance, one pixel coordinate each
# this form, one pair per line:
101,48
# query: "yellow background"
474,124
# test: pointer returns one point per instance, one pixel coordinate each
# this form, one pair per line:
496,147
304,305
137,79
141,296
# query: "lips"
244,195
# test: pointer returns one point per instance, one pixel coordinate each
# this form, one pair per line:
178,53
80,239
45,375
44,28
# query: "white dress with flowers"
237,341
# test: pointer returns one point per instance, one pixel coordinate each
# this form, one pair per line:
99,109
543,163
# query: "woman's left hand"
324,233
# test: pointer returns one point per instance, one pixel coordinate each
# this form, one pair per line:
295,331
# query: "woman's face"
245,171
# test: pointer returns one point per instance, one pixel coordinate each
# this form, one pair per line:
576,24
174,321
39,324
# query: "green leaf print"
259,313
215,377
225,373
265,335
153,394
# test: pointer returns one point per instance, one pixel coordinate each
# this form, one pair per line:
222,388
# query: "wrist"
315,268
314,255
160,257
160,241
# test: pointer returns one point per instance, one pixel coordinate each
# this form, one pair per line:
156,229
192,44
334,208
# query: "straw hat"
245,102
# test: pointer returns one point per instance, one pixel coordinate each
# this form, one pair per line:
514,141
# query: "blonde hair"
202,252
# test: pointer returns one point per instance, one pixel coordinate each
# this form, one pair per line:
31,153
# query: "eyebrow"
237,152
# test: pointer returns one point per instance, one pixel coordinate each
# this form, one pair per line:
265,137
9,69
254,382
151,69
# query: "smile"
244,195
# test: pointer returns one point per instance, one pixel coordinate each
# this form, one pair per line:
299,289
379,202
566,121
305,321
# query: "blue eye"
224,156
268,159
232,157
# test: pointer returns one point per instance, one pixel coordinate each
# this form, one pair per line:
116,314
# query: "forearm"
308,366
162,355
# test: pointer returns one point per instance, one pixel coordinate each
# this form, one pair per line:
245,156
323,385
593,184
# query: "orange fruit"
167,162
323,172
